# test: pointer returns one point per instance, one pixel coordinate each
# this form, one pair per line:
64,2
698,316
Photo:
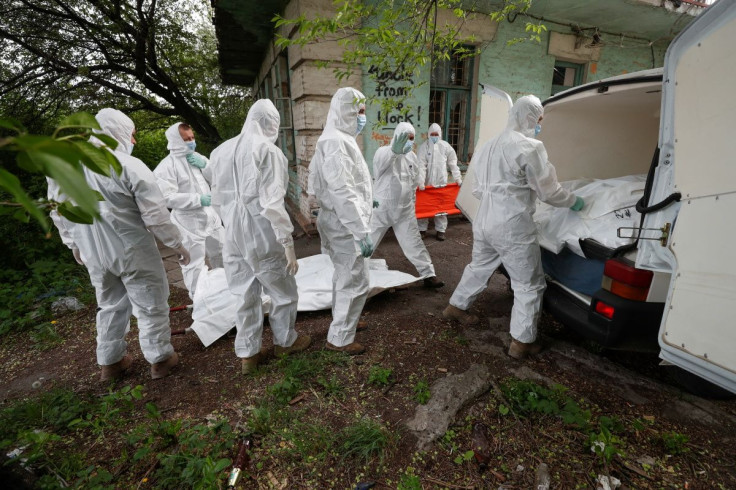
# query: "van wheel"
698,386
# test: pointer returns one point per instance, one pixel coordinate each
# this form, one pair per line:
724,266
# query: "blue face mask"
408,146
537,129
191,145
361,123
434,139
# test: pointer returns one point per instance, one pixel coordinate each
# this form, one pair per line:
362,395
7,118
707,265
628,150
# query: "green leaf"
71,181
222,464
12,124
75,214
108,140
79,120
97,159
10,183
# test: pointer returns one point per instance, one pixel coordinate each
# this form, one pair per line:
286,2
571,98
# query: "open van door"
698,233
494,113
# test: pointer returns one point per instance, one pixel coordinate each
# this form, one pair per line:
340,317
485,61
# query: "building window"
566,75
449,100
282,101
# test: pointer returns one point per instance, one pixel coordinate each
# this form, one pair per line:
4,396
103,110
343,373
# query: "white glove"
292,266
421,187
77,256
184,257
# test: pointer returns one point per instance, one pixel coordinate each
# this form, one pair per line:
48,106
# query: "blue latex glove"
375,204
399,144
196,161
366,246
205,199
579,203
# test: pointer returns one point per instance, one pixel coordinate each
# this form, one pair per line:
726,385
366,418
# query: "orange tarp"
437,200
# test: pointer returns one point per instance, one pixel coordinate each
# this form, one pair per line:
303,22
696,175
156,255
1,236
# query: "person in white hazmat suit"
251,179
396,176
341,182
187,192
124,264
511,171
435,156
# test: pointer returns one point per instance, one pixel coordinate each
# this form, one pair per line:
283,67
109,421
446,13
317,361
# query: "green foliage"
605,444
409,480
365,440
332,387
674,442
150,146
379,376
464,457
62,157
528,397
422,394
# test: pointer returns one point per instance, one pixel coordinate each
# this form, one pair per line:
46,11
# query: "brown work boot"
250,364
520,350
433,282
161,369
301,343
423,234
117,370
441,236
351,349
458,315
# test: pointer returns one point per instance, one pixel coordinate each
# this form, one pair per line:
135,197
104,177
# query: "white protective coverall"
124,264
251,177
341,181
434,159
183,186
511,172
396,178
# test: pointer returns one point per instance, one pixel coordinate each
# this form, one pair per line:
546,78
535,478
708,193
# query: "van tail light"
604,309
626,281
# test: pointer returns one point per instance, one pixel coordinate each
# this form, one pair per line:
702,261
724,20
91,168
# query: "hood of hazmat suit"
120,254
338,174
182,186
396,177
437,158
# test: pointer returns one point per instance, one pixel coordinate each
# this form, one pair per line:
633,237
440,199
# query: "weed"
409,481
285,390
464,457
674,442
528,397
365,440
421,392
379,376
605,444
332,387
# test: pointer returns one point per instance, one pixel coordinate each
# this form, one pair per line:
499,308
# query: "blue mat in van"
575,272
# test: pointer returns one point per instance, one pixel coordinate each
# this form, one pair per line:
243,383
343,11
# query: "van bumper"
631,321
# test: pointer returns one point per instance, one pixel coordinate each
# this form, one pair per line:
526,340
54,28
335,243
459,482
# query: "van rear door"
697,159
494,114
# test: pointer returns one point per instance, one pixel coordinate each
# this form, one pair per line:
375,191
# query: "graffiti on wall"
390,84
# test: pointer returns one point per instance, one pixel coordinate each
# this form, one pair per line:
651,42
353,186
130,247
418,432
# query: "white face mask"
361,123
537,129
191,145
434,139
130,148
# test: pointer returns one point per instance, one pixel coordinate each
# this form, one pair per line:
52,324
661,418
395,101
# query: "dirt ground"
406,333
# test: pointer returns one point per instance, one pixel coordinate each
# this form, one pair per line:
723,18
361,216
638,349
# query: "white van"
676,279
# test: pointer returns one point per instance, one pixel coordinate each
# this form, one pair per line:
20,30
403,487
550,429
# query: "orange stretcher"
434,201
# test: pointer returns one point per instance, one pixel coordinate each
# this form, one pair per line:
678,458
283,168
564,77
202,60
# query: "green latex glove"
196,161
579,203
375,204
205,199
366,246
399,144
